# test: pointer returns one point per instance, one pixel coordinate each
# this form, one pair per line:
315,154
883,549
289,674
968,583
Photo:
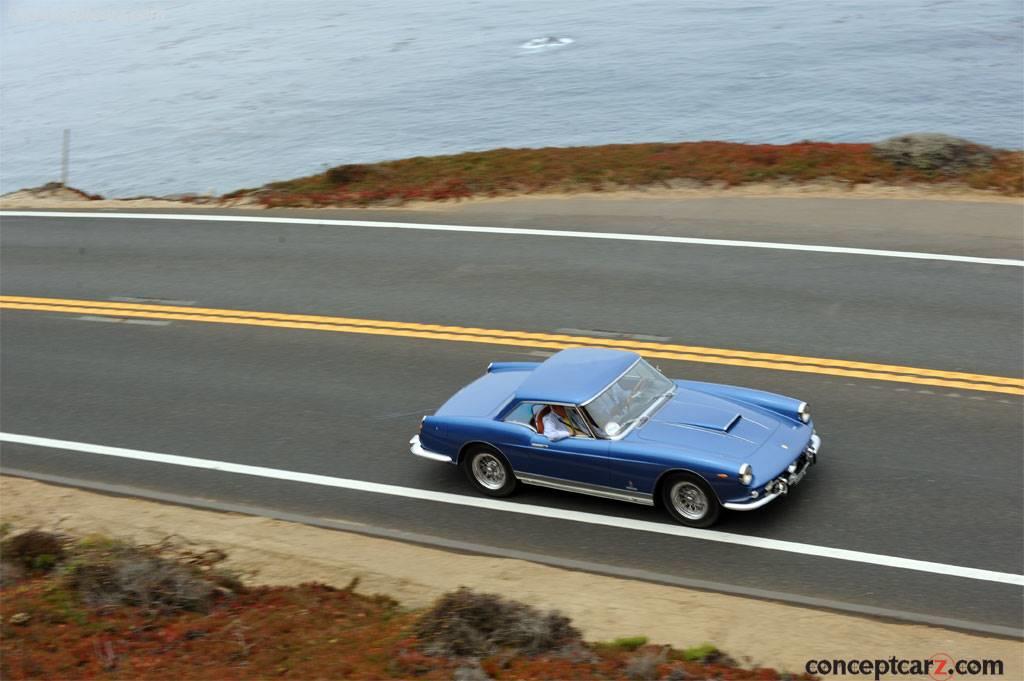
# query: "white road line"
526,509
95,318
525,232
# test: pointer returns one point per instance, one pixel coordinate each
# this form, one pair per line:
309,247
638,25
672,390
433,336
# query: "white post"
64,158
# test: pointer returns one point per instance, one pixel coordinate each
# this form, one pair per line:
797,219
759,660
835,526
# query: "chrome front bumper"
416,448
780,486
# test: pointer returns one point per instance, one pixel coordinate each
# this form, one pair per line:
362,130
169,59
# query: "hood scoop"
698,416
732,423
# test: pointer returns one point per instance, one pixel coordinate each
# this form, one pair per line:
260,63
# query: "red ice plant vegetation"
615,166
107,610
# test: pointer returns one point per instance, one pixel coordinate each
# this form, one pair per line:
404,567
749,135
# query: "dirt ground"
274,552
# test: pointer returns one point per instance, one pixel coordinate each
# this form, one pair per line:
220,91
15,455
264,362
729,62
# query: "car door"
628,471
577,459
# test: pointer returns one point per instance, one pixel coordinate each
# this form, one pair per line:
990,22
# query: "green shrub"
627,642
702,652
34,550
44,562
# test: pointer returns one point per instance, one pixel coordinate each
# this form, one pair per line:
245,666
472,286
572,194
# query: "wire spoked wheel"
690,500
489,472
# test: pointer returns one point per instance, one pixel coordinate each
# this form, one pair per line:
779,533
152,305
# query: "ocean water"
198,95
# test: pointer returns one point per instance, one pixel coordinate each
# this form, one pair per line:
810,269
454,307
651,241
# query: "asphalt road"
909,471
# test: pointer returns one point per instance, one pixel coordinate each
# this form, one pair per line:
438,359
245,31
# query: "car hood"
696,420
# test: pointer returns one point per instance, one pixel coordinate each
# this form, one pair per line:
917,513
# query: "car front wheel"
690,500
489,472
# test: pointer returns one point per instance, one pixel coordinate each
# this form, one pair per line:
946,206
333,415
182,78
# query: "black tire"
690,500
488,471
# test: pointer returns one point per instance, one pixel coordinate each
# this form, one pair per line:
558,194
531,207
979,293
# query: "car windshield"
628,398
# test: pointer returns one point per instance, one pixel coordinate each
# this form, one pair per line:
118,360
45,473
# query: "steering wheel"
628,402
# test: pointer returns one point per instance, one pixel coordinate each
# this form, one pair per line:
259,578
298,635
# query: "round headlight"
746,474
804,412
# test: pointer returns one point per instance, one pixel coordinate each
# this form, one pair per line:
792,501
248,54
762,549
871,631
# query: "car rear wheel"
489,472
690,501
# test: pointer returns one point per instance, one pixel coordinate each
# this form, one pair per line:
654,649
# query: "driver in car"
554,424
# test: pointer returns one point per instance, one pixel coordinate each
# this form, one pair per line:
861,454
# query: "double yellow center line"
553,341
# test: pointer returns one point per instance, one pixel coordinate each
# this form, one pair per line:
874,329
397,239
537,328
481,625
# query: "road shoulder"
964,224
274,552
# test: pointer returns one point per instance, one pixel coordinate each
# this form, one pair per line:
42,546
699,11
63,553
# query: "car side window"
579,423
522,414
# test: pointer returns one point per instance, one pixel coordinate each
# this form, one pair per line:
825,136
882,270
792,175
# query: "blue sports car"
606,423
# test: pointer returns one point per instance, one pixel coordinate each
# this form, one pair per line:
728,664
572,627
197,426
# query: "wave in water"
546,43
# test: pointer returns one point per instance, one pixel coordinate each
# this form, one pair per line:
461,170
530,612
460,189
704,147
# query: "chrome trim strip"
754,421
583,488
732,506
616,380
586,422
417,449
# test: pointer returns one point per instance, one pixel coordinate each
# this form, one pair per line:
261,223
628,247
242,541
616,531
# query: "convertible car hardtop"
606,423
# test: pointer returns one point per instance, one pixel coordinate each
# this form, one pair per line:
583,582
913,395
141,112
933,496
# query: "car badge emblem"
785,446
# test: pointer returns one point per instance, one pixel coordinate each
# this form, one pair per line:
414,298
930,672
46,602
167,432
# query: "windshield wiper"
642,422
646,415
